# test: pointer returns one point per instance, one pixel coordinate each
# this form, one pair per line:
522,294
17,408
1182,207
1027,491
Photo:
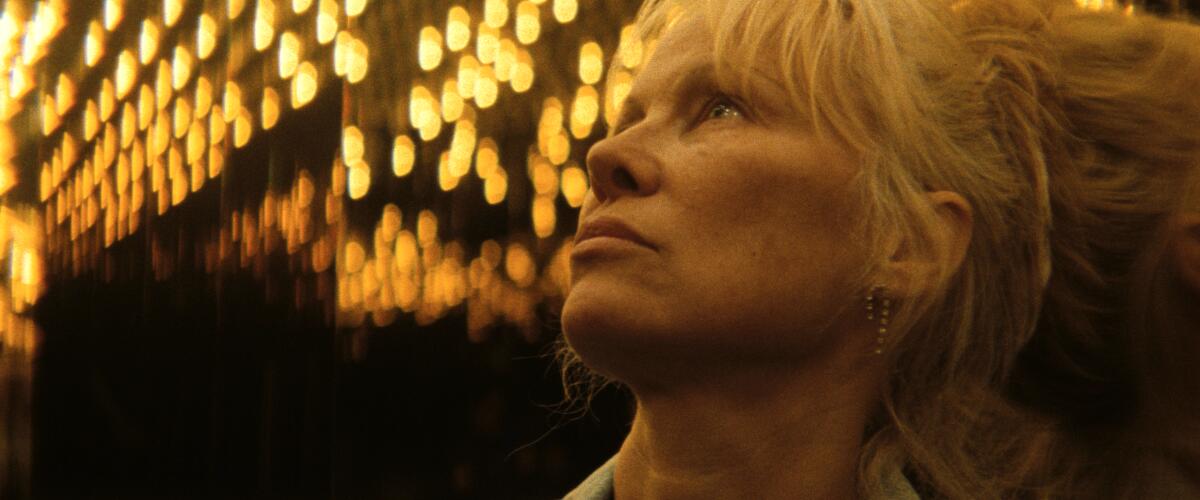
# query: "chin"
610,328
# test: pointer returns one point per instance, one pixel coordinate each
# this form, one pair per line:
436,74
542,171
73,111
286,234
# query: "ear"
1184,247
910,271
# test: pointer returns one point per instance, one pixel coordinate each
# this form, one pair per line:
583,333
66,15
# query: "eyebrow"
697,78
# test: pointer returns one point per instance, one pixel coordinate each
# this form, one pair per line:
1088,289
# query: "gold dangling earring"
885,314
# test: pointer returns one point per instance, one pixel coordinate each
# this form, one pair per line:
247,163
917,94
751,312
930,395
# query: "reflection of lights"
327,26
234,8
352,145
264,25
429,50
458,29
93,44
113,12
574,185
206,36
356,64
619,85
358,181
289,54
486,89
495,13
126,73
148,42
182,68
468,72
171,11
495,186
584,111
630,49
300,6
203,97
452,103
243,126
270,108
403,155
529,26
591,63
355,7
304,85
232,103
544,218
487,44
522,78
64,94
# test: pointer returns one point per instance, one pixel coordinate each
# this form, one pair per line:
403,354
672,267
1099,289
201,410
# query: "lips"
609,227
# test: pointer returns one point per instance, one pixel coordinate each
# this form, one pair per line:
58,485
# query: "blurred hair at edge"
959,96
1114,356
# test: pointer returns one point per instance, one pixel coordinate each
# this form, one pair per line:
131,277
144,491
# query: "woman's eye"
722,108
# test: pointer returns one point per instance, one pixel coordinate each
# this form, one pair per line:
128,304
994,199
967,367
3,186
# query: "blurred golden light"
299,6
446,178
162,85
544,217
232,103
126,73
216,125
427,228
458,29
487,159
452,103
543,176
50,120
91,120
519,265
113,12
495,13
550,124
161,135
352,145
108,102
358,181
111,145
64,94
216,161
404,155
468,72
182,68
129,124
243,126
289,54
584,111
506,60
327,25
146,106
196,142
486,89
429,51
619,85
355,257
559,148
206,36
203,97
565,10
487,44
630,49
462,147
304,86
148,41
522,78
529,24
270,108
341,52
234,8
495,186
93,44
356,64
171,11
18,82
182,117
264,25
591,63
574,185
179,178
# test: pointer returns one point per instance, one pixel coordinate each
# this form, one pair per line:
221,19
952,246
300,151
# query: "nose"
621,166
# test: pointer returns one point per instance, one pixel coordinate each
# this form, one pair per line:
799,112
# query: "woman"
816,241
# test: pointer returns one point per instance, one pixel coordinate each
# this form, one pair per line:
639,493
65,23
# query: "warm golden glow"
591,63
356,63
518,264
18,82
486,89
232,103
495,13
204,98
565,10
270,108
487,159
458,29
452,103
300,6
304,85
327,24
129,124
289,54
148,42
506,60
523,75
584,111
146,106
341,52
630,49
113,12
574,185
550,124
216,161
234,8
216,125
355,7
108,103
462,147
126,73
352,145
93,44
543,176
182,117
196,142
358,180
64,94
446,178
404,155
91,120
50,120
206,36
468,71
182,68
171,11
160,137
243,126
429,51
427,228
544,217
559,148
495,186
162,85
487,44
529,24
264,25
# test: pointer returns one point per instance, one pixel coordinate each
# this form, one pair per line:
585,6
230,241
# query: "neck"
788,433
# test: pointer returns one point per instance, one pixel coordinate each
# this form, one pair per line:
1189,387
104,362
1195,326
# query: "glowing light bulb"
264,25
495,187
574,185
584,111
243,126
270,108
358,181
487,44
206,36
429,51
529,24
591,63
354,8
64,94
108,102
506,60
458,29
113,12
204,97
544,219
619,85
289,54
495,13
523,75
468,72
232,102
171,11
148,42
352,145
93,44
356,64
146,106
403,155
126,73
565,10
452,103
487,158
182,68
327,25
486,89
162,84
182,117
300,6
234,8
304,85
630,48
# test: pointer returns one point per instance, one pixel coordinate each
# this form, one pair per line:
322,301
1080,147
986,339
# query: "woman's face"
747,216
